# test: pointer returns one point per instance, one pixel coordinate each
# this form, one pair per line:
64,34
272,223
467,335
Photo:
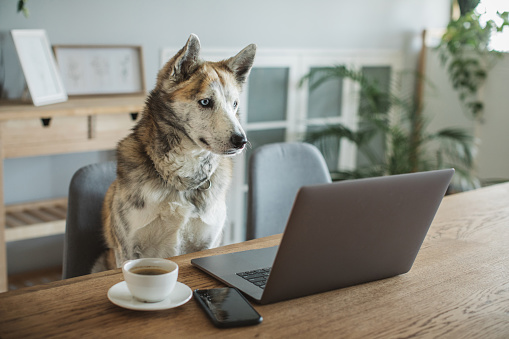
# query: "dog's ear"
187,59
241,63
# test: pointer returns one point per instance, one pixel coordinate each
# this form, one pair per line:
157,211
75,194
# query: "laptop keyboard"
257,277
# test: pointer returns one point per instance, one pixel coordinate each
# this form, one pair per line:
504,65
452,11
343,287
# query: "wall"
155,24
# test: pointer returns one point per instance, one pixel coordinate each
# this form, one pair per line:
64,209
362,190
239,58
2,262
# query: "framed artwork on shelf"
39,67
101,69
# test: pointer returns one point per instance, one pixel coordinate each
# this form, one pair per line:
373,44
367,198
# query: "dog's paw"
137,252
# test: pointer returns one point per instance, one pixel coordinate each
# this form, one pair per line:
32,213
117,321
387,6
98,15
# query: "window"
488,10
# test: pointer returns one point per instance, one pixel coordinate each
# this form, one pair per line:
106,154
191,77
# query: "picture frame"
101,69
39,66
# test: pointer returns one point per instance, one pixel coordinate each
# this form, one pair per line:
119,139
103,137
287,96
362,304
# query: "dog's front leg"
128,253
162,237
136,246
128,250
137,251
119,257
124,253
156,240
218,240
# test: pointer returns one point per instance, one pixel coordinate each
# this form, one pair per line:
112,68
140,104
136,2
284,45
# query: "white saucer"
120,296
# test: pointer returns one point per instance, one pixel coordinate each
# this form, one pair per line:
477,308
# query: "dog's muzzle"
238,140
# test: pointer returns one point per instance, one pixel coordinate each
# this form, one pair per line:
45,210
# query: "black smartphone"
227,307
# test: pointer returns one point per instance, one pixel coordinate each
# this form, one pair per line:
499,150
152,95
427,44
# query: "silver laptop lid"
339,235
352,232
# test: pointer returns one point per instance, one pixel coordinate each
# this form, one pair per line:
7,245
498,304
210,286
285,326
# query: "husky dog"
175,167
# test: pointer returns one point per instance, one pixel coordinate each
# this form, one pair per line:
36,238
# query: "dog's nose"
238,140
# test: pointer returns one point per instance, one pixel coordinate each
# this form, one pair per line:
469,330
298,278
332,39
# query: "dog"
174,168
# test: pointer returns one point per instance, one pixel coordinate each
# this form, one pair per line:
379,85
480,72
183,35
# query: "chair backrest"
83,241
276,172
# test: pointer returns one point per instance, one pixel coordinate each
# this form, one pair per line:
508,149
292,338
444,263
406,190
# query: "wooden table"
77,125
458,288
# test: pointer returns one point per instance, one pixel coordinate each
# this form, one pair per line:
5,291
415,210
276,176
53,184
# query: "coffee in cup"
150,279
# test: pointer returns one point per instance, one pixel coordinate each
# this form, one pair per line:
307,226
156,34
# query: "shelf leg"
3,246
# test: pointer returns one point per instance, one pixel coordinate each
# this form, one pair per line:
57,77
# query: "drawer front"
32,131
113,126
28,137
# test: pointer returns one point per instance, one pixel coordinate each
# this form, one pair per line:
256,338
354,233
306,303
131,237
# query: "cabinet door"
381,75
325,108
267,108
266,120
268,94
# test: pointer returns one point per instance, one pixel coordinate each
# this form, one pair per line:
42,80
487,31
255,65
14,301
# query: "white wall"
155,24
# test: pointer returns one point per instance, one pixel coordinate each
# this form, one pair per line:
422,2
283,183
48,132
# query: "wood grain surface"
457,288
14,110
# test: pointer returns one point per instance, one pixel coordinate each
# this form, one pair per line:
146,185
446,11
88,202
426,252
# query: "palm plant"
409,147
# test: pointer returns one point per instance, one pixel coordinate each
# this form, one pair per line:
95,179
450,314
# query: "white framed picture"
100,70
39,66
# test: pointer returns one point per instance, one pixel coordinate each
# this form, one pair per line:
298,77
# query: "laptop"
337,235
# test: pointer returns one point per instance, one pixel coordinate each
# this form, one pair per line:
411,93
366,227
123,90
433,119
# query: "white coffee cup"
150,279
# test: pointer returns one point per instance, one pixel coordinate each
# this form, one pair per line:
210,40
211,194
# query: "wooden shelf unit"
77,125
36,219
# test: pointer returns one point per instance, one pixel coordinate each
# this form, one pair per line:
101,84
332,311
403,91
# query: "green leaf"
22,8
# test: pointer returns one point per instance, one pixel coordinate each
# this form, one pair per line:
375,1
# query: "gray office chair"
276,172
83,242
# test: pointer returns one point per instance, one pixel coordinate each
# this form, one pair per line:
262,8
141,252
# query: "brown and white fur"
174,169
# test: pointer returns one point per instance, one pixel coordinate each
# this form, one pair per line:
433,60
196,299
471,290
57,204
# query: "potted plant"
465,52
409,146
22,7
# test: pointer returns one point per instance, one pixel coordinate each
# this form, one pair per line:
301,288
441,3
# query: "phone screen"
227,307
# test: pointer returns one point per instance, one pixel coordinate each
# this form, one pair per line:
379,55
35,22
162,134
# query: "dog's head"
204,96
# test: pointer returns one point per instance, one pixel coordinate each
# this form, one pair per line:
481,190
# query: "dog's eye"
204,102
235,104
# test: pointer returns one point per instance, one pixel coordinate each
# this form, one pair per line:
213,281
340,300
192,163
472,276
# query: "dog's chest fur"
176,221
174,226
186,169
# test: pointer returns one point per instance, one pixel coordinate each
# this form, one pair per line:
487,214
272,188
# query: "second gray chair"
83,242
276,172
